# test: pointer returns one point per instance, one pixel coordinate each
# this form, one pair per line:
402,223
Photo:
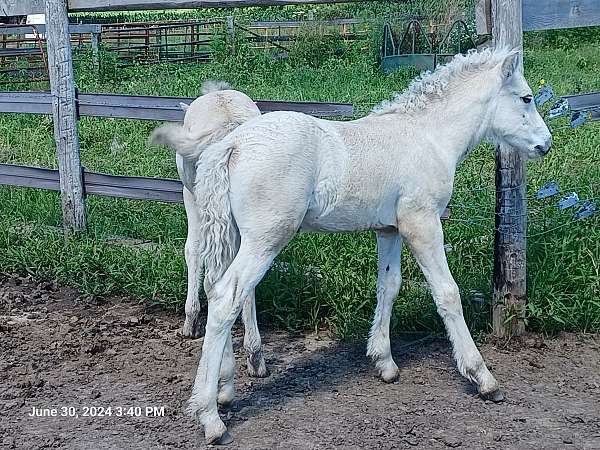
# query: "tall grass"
320,280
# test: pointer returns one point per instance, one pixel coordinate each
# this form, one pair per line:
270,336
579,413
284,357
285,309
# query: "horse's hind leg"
252,344
423,233
255,361
389,278
225,301
192,324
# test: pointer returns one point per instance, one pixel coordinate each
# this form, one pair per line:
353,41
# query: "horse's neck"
459,122
462,124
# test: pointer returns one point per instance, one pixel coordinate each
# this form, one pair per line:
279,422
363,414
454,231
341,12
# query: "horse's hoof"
256,366
192,328
390,377
496,396
224,439
388,371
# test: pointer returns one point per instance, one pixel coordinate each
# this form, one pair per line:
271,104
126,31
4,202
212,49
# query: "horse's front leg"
389,278
424,235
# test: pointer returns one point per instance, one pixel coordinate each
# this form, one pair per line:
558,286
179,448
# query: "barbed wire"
538,207
515,232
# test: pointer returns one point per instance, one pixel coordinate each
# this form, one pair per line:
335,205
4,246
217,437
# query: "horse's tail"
189,143
183,141
217,229
214,85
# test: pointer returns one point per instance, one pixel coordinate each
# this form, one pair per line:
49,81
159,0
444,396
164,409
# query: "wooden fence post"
64,112
483,17
231,34
510,242
96,50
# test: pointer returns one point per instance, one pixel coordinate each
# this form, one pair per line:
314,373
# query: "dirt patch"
58,350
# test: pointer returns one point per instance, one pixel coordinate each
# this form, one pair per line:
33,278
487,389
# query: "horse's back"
287,164
276,168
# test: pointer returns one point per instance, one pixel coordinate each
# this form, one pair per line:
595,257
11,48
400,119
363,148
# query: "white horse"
207,120
391,171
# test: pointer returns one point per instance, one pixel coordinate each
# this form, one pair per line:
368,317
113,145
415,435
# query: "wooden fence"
22,48
127,107
139,188
25,7
504,20
147,107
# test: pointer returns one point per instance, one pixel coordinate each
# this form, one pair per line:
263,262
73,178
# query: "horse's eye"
527,99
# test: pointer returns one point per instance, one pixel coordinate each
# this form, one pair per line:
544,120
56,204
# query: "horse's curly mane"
430,86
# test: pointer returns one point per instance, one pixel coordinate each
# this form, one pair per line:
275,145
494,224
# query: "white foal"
391,172
208,119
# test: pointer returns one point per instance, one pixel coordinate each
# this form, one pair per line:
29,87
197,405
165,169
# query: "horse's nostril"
542,149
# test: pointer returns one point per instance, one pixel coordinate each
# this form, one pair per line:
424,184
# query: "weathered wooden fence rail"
24,7
149,107
128,107
139,188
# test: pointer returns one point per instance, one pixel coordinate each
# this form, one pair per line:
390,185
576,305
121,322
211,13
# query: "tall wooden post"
510,243
231,34
483,15
96,50
64,111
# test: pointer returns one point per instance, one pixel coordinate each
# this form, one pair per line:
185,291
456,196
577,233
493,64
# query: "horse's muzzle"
545,148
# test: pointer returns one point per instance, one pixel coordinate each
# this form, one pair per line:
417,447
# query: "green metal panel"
419,61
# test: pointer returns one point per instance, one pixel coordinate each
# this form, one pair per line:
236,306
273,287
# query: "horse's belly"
348,218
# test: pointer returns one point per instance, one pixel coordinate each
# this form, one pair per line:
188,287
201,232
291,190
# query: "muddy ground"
61,350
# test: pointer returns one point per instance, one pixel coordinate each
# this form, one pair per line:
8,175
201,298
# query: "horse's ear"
510,64
184,106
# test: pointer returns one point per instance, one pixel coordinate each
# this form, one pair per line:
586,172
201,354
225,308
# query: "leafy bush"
313,46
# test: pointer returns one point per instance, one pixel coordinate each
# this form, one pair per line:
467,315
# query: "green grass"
330,281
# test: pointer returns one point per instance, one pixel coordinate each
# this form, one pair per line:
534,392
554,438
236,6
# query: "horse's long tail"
217,229
184,141
187,142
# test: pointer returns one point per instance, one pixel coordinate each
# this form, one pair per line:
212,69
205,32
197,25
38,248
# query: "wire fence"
539,206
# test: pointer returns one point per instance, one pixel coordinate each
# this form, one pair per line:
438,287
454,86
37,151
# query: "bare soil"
58,349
